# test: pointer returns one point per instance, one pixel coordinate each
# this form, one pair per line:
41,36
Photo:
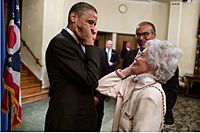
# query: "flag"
11,75
4,115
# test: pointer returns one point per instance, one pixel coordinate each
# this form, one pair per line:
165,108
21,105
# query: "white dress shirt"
74,36
109,53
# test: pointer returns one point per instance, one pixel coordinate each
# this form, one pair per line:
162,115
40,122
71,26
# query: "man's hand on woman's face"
84,32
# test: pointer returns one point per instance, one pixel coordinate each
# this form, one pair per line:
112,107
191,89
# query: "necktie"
109,54
82,48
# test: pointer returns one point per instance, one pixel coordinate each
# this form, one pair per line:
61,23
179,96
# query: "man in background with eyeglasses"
146,31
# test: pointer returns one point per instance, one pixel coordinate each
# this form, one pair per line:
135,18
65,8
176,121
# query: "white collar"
108,49
72,34
144,80
128,49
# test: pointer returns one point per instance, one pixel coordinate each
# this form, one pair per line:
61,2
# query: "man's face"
85,25
143,34
109,44
128,44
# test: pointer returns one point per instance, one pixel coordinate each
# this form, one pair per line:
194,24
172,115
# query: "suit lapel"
72,42
129,93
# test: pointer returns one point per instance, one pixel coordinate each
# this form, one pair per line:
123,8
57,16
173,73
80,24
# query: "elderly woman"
140,98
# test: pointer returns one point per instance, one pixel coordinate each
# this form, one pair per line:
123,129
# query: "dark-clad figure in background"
99,98
124,54
112,57
73,65
146,31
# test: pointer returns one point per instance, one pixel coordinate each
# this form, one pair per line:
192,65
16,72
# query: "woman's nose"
135,60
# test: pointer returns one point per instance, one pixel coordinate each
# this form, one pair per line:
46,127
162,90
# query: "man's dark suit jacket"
171,87
131,56
114,59
73,77
100,105
124,56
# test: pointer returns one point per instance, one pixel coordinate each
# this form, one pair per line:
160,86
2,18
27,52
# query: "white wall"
32,29
188,35
53,23
111,20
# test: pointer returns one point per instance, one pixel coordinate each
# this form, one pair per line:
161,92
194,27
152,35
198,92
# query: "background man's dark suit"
171,88
131,56
73,78
114,59
124,56
101,97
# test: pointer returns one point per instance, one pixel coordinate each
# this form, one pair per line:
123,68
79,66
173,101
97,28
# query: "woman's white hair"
163,58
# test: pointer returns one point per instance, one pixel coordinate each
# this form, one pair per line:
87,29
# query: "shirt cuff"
119,74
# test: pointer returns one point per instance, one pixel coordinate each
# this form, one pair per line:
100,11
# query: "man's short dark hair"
80,7
147,23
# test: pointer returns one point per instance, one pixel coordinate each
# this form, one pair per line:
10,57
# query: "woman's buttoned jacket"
141,102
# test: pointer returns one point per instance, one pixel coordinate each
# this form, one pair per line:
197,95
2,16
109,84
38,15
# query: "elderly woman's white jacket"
140,103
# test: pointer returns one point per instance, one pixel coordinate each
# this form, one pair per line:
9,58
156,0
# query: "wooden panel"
31,89
102,37
35,97
121,38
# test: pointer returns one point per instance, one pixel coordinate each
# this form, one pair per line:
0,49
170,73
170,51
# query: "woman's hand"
127,71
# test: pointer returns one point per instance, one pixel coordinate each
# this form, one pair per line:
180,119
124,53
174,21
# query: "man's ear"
154,34
73,17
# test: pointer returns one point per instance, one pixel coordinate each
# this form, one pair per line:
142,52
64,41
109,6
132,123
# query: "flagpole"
11,75
9,94
10,113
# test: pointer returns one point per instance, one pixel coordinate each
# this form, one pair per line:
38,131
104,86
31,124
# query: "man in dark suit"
146,31
73,66
124,54
99,98
112,57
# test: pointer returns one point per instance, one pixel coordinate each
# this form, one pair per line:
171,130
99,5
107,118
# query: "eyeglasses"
144,34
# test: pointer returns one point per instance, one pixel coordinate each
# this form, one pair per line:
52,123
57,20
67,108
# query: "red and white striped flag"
12,66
